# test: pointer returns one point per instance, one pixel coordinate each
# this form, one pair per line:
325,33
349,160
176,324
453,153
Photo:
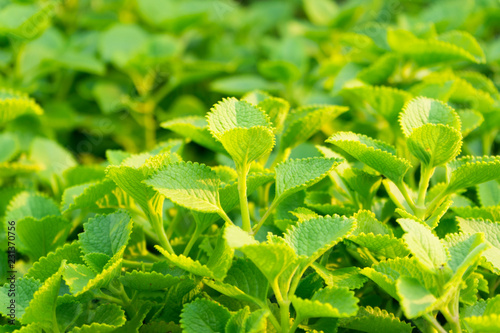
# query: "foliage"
274,166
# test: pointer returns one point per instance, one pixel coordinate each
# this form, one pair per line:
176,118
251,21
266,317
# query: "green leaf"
435,144
94,327
380,70
470,170
116,157
470,120
491,230
375,320
54,158
279,70
424,245
489,193
385,246
374,153
8,147
321,12
147,281
82,174
246,145
421,111
465,250
194,128
271,259
121,43
466,41
314,237
77,277
416,300
295,175
231,113
243,321
26,21
191,185
305,121
30,204
483,316
327,302
378,100
358,182
453,46
485,213
349,277
40,226
136,169
40,237
386,273
25,290
484,324
216,267
204,316
42,307
18,169
96,261
277,110
81,279
324,203
243,129
90,196
106,234
244,281
368,223
104,318
14,104
49,265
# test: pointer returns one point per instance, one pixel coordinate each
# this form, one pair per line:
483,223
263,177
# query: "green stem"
453,321
296,280
271,317
224,216
242,192
436,202
192,241
425,177
157,224
401,186
110,298
55,326
266,215
135,264
284,308
434,323
296,324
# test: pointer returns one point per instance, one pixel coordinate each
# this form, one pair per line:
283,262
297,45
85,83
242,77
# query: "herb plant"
357,189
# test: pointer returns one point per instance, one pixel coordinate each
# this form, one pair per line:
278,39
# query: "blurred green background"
108,72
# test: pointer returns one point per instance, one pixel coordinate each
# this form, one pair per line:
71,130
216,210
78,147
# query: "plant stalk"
192,241
402,188
434,323
425,177
157,224
284,308
265,216
242,192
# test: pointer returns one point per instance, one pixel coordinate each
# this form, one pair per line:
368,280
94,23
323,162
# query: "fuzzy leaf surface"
374,153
